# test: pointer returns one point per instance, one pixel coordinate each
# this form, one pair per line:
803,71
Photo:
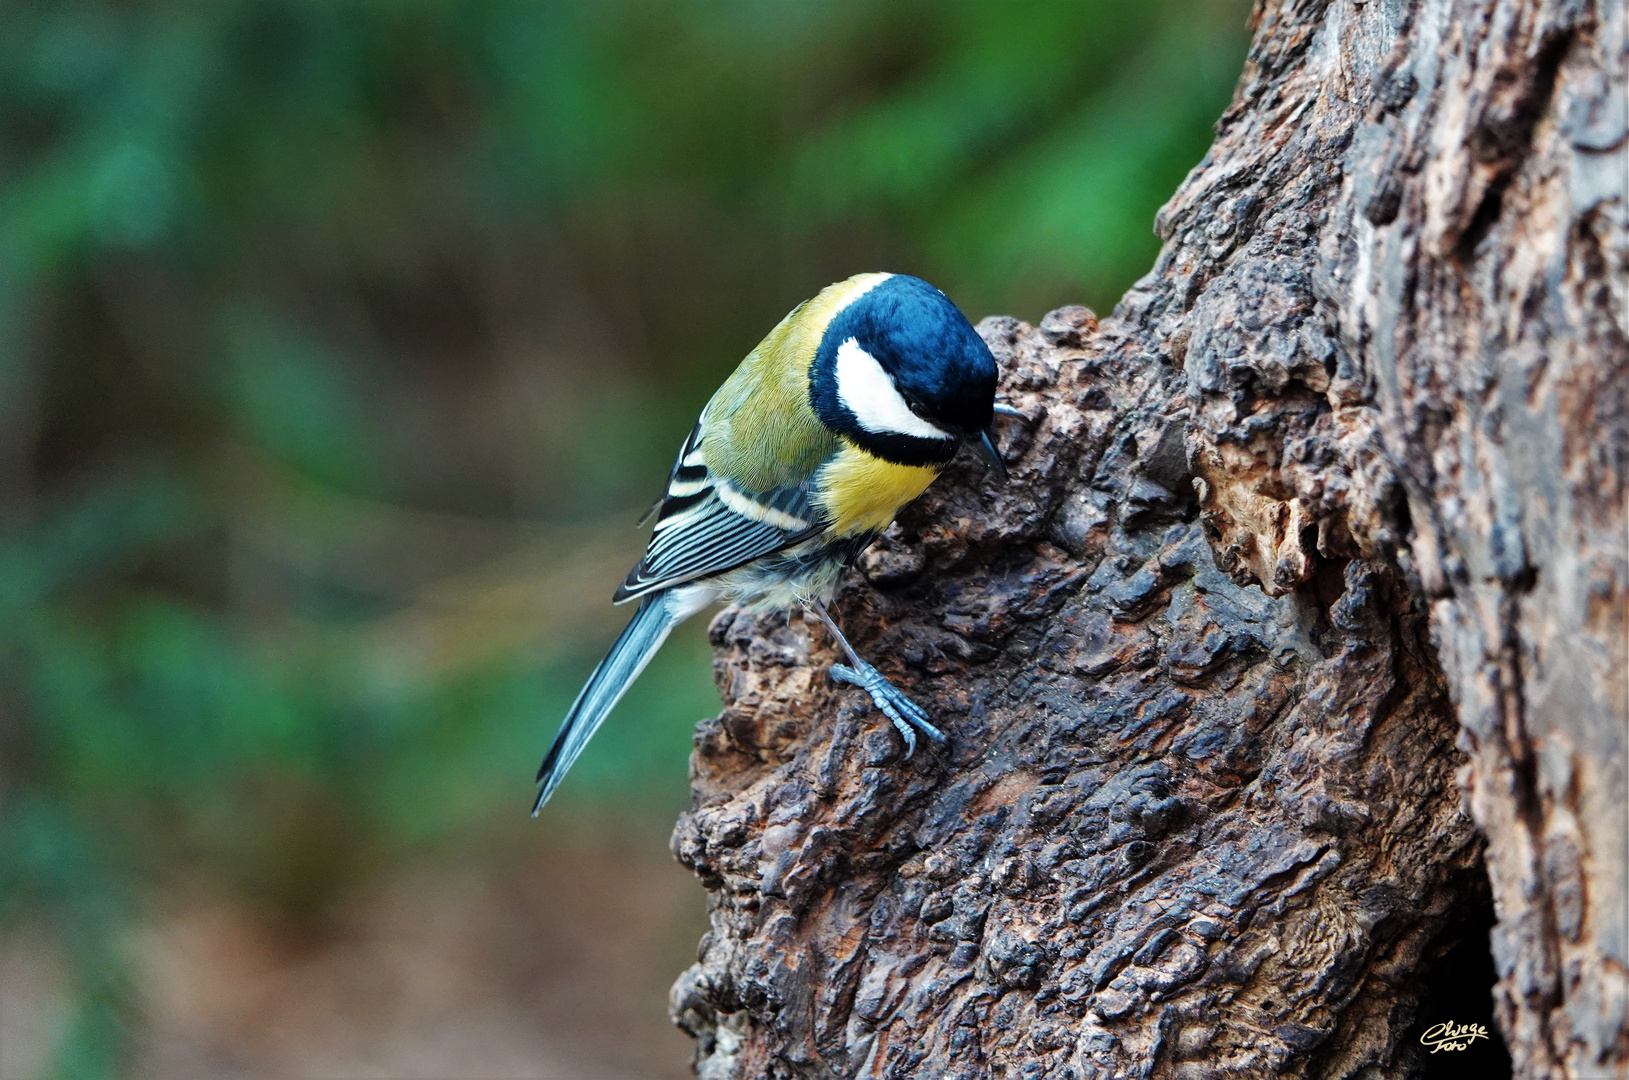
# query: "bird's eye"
916,407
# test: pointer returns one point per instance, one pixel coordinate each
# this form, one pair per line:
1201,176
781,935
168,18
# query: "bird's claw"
907,715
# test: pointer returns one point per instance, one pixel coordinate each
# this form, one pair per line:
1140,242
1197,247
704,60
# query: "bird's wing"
707,525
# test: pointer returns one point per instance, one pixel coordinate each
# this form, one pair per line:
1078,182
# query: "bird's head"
901,372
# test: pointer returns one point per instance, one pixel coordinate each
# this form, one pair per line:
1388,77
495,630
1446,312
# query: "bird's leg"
905,713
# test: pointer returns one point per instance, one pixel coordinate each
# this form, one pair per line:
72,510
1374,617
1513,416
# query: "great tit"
847,411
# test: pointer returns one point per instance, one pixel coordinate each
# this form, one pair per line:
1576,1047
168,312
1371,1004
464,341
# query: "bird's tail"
644,634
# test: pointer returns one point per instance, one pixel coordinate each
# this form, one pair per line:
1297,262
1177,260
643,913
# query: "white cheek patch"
867,391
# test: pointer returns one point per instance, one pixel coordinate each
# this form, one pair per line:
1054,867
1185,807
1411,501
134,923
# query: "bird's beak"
987,447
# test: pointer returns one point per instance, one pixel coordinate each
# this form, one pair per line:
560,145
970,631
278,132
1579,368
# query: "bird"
843,414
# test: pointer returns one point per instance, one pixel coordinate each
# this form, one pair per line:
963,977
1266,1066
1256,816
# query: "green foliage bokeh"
309,309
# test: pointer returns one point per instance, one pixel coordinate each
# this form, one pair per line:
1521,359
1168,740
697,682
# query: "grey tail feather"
641,638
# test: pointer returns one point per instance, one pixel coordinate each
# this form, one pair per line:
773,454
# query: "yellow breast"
861,493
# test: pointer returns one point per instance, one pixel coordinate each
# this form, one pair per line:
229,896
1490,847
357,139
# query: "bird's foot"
906,714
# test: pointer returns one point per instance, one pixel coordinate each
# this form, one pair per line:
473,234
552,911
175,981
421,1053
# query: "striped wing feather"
707,526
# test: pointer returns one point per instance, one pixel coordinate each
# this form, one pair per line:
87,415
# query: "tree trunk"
1310,585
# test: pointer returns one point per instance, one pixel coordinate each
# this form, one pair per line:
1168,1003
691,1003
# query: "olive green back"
759,430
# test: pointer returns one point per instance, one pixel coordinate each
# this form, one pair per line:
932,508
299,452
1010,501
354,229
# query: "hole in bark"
1524,580
1510,139
1459,990
1487,212
1403,516
1329,582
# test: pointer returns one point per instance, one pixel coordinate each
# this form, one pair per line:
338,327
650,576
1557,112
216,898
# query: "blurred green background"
340,345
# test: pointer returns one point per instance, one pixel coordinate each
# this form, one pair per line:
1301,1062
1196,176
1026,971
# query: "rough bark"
1313,546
